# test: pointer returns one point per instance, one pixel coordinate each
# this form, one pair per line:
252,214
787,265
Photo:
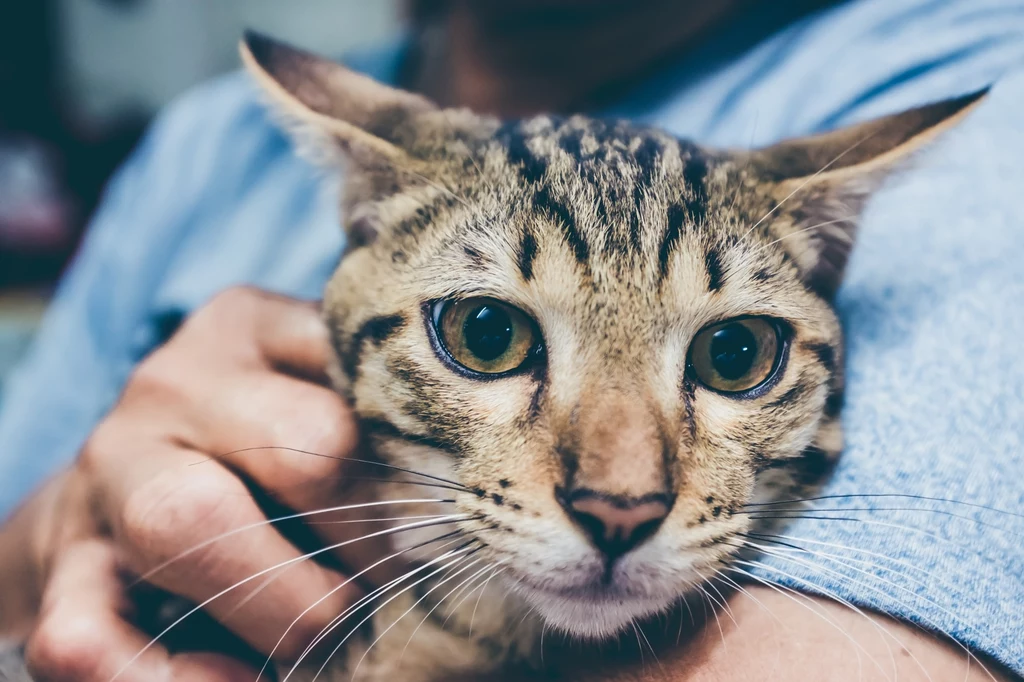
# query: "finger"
289,437
292,335
197,532
284,333
298,457
302,458
84,636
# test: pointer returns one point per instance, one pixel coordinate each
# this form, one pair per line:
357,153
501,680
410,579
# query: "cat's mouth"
597,608
595,612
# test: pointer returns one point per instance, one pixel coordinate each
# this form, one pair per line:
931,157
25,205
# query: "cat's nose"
614,524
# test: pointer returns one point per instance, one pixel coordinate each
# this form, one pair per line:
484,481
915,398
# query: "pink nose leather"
615,526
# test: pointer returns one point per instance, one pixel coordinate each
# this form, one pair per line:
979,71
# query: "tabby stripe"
695,174
689,391
790,396
834,403
426,214
377,330
532,167
559,213
478,259
385,429
540,375
809,466
527,252
713,264
826,356
825,353
676,215
647,159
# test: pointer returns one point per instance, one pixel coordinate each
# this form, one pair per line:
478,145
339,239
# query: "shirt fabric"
933,302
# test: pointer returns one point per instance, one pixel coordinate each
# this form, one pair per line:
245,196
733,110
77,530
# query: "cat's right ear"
333,112
821,183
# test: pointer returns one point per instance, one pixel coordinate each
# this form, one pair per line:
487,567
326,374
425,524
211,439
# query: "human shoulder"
759,82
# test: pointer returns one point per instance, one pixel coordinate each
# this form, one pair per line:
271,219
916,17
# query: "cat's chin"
594,617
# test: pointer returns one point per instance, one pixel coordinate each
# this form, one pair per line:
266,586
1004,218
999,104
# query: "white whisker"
348,581
375,594
721,631
796,598
272,578
802,230
371,597
352,460
289,517
835,597
414,605
304,557
476,606
841,510
883,524
457,588
877,590
725,603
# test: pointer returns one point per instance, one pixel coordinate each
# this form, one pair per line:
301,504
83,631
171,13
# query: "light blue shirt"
933,303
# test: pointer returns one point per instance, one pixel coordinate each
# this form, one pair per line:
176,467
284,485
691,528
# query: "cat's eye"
484,335
738,355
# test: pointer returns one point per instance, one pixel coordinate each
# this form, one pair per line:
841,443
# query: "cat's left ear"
330,108
820,183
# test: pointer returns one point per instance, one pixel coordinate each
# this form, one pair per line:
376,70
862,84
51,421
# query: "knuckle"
305,468
231,313
155,378
65,647
99,447
234,299
330,427
161,518
322,434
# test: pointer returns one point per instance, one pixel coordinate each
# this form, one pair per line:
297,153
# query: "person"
185,331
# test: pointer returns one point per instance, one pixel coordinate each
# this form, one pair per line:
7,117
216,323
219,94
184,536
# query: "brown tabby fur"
622,242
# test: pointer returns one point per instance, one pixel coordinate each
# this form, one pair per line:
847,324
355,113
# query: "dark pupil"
488,332
733,351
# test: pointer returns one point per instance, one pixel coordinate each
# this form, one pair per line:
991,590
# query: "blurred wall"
123,55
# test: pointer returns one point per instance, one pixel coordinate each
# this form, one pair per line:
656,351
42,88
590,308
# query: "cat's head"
613,339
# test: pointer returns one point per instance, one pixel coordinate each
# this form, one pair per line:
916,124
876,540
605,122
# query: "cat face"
612,340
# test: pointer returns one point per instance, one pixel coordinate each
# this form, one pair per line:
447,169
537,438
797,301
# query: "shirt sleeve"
97,326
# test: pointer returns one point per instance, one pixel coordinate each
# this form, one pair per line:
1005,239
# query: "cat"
599,348
605,344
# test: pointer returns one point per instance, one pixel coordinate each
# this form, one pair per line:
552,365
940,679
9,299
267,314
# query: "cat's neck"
520,58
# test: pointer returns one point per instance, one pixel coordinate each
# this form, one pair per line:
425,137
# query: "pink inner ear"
893,136
327,87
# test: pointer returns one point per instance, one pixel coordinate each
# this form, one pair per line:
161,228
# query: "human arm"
770,635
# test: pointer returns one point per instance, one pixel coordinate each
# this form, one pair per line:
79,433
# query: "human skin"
767,635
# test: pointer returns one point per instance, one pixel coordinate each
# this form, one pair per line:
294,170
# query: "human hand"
145,499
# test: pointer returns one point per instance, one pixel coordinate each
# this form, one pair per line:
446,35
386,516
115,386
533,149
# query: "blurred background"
80,81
